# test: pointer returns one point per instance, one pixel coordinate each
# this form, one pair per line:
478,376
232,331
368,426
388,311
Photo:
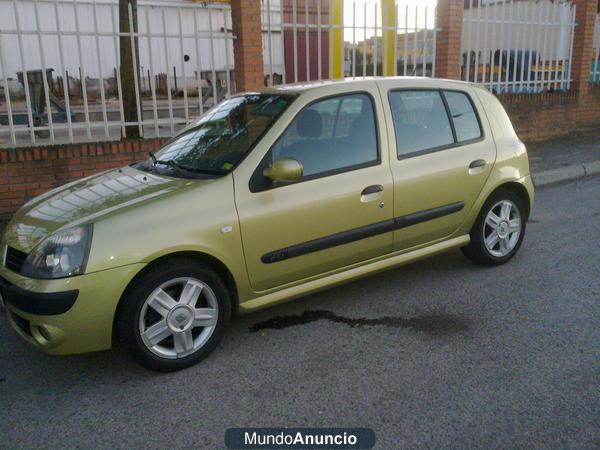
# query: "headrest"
310,124
363,123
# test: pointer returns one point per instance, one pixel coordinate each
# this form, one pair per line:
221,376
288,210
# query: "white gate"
518,46
333,39
67,53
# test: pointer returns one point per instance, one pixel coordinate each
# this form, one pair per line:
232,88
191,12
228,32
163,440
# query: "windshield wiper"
169,163
182,169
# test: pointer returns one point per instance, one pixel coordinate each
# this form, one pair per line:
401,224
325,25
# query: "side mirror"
285,169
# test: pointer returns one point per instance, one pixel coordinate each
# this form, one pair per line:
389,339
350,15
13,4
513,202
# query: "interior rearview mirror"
284,169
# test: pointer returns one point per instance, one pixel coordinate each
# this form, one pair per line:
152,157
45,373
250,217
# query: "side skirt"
391,261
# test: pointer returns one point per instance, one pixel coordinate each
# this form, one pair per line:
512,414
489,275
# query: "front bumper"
65,316
39,303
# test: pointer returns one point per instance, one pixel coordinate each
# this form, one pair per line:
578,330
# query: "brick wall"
544,116
27,172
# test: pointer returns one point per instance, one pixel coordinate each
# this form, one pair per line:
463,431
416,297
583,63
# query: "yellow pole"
337,39
388,13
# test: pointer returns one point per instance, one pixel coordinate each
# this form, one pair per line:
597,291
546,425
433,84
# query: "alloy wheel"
178,317
502,228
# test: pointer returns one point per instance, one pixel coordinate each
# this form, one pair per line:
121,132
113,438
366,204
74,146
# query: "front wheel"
174,315
498,231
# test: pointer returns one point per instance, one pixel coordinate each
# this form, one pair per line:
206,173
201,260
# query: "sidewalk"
561,159
565,158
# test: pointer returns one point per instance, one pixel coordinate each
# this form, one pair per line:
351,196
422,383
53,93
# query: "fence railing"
518,47
326,39
60,68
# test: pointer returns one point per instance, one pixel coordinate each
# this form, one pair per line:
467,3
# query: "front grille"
14,259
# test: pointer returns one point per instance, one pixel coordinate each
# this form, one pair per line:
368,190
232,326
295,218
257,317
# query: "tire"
174,315
507,243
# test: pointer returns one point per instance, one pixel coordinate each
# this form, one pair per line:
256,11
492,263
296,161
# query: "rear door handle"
477,163
372,189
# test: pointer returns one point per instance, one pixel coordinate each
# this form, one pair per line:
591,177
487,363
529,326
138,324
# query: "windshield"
221,138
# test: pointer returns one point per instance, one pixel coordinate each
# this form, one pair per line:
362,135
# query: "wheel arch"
211,261
519,190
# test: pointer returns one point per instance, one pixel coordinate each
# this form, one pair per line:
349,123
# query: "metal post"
44,74
212,58
514,68
405,41
11,125
168,64
226,54
476,70
24,69
198,67
269,43
185,94
375,42
115,32
572,25
364,40
101,77
354,40
435,21
319,52
415,41
557,32
396,39
282,21
306,40
295,37
424,45
135,71
153,78
86,109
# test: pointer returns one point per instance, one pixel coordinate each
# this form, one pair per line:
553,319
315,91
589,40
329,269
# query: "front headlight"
63,254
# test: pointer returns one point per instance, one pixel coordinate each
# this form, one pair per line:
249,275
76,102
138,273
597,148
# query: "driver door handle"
372,189
477,163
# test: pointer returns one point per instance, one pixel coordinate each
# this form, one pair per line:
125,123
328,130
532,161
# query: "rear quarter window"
463,115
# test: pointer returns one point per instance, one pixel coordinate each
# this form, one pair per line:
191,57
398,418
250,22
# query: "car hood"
86,200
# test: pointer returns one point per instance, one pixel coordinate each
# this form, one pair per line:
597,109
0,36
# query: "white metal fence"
66,52
518,46
363,40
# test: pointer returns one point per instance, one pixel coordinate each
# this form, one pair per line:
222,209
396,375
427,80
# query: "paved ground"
502,357
574,148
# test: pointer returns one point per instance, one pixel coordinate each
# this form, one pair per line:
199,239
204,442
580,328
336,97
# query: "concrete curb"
566,173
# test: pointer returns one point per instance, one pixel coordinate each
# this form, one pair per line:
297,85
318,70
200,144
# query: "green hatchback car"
269,196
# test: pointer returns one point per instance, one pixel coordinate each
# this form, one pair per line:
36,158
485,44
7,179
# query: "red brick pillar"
247,47
447,51
585,18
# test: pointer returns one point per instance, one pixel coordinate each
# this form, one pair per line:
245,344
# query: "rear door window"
420,121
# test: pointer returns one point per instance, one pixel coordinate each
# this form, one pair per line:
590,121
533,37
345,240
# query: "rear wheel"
174,315
498,231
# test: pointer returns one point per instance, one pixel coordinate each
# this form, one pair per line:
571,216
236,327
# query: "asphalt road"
454,356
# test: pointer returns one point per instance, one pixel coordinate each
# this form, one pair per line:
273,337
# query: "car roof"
417,82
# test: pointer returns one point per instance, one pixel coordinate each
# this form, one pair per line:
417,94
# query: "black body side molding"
357,234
